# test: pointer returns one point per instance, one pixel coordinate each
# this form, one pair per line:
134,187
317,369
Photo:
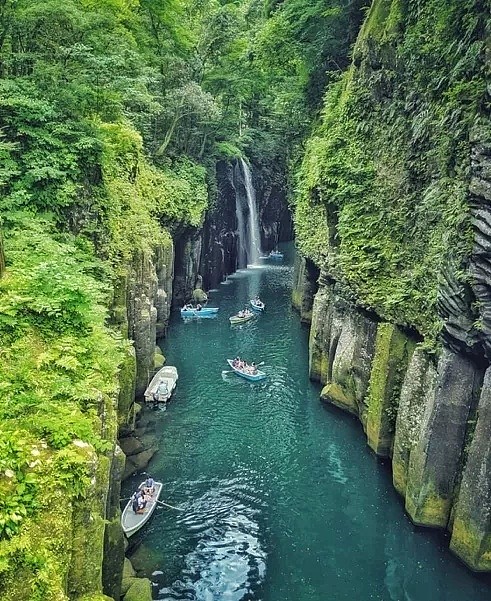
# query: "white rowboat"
162,385
131,522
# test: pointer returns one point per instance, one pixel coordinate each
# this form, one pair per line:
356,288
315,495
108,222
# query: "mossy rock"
128,569
158,360
392,349
199,295
471,546
140,590
333,393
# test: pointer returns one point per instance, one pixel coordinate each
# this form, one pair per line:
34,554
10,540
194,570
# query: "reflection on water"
281,499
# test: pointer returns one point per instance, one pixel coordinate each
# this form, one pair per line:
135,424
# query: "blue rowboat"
259,375
235,319
275,254
203,312
257,306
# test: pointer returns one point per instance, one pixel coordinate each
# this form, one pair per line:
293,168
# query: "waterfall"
248,224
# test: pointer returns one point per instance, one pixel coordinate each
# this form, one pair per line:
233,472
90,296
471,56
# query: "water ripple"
227,560
279,498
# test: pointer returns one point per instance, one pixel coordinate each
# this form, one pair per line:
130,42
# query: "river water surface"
280,498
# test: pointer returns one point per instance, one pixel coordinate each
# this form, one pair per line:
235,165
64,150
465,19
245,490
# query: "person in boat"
198,307
163,389
253,368
240,313
142,503
148,486
134,501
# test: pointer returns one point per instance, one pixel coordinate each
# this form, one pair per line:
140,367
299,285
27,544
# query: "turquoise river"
280,499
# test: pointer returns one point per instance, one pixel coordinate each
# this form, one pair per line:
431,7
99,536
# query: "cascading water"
248,225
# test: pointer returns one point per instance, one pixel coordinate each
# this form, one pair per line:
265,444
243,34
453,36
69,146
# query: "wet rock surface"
140,446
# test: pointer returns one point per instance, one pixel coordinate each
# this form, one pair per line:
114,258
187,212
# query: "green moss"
399,477
427,508
34,564
140,590
158,360
127,380
383,21
472,546
340,397
85,574
319,364
392,349
382,192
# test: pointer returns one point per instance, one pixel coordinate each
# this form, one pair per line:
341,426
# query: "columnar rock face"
148,303
471,537
394,207
417,392
187,265
305,286
112,566
435,462
418,411
392,352
342,345
219,257
274,215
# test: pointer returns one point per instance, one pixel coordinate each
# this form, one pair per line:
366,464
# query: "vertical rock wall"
220,243
274,215
149,295
187,265
219,255
430,415
305,276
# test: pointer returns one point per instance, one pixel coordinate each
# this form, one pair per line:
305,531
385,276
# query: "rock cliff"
220,231
393,207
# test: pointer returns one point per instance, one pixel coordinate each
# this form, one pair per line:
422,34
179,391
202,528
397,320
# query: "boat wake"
228,561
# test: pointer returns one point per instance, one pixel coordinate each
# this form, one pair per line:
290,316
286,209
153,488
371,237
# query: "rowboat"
203,312
275,254
257,305
131,522
259,375
162,385
235,319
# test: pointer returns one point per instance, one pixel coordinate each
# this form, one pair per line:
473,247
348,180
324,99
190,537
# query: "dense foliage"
387,169
113,114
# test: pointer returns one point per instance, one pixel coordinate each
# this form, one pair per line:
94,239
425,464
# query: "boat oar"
171,506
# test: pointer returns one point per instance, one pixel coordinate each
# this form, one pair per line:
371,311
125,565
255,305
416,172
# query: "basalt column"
220,240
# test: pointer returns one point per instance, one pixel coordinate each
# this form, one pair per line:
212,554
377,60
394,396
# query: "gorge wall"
220,238
393,208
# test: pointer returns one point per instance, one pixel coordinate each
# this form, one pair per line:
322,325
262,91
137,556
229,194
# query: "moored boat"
131,522
257,304
162,385
236,319
253,377
194,312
